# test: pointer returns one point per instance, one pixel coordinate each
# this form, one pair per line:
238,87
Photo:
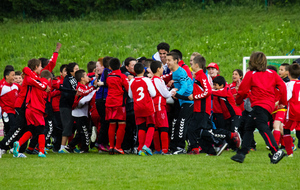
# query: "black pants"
9,123
82,134
245,119
219,120
258,118
179,126
130,137
103,133
198,121
233,123
57,131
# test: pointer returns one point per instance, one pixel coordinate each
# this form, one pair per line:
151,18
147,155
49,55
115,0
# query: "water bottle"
5,117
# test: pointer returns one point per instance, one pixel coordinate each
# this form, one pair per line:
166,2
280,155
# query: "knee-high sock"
111,134
164,141
288,143
25,137
149,136
277,135
141,137
120,135
156,140
41,141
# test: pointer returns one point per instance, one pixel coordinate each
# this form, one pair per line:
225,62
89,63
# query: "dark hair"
220,81
286,66
33,64
141,59
155,65
272,67
127,60
9,67
178,52
174,56
114,63
7,72
44,61
91,66
294,70
164,46
148,62
46,74
105,61
79,74
139,68
239,71
200,60
70,67
18,73
258,61
62,67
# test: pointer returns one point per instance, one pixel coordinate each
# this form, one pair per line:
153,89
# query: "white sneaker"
11,151
20,155
180,151
94,134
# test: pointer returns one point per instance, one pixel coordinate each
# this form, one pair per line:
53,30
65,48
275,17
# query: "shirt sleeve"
290,86
150,86
162,89
129,89
244,88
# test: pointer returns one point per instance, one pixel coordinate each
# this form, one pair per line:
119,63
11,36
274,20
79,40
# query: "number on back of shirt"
141,93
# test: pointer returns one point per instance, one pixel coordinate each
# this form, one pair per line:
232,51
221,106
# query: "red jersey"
116,83
84,90
293,97
227,102
162,93
234,93
8,95
141,90
56,93
202,93
263,86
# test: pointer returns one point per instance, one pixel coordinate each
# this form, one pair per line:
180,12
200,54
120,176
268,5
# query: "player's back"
293,91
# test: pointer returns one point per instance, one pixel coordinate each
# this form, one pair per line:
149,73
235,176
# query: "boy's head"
194,54
139,69
199,62
46,74
82,77
284,70
9,75
91,66
258,61
148,62
18,77
178,53
219,82
272,67
213,69
114,64
294,71
157,68
72,68
106,60
163,48
9,67
35,65
63,70
172,59
237,74
129,64
44,61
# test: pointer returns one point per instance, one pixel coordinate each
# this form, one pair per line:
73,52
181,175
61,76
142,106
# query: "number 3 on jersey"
141,94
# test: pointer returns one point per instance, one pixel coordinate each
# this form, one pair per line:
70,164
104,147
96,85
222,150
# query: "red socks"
156,141
141,137
25,137
288,140
111,134
164,141
149,136
120,135
277,136
42,141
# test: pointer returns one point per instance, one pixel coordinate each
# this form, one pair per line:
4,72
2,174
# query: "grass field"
103,171
221,35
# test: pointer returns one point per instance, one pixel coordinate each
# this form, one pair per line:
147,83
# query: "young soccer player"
213,70
115,108
35,114
163,49
141,90
182,64
18,78
293,119
284,71
161,137
262,83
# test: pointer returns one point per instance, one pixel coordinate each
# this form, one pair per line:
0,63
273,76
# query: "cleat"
238,158
83,151
275,158
141,153
253,149
111,151
76,150
11,151
118,151
29,151
289,156
135,150
41,155
20,155
179,151
267,147
16,148
167,153
94,134
157,152
127,151
220,149
237,139
294,148
35,151
194,151
147,150
63,151
103,148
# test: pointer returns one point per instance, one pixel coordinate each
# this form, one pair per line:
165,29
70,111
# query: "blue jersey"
183,83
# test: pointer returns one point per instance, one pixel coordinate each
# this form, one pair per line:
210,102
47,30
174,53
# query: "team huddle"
149,106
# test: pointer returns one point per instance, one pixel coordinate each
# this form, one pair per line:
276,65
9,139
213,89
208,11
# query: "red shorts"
115,113
161,119
291,125
279,116
34,117
149,120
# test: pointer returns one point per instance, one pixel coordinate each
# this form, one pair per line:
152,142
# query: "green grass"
103,171
221,35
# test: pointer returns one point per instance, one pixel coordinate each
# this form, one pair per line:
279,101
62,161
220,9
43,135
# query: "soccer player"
213,70
141,90
18,78
162,50
115,107
293,119
262,82
284,72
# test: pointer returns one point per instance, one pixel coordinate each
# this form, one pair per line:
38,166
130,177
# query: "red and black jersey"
161,93
56,93
83,90
263,86
202,93
8,95
117,83
227,102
